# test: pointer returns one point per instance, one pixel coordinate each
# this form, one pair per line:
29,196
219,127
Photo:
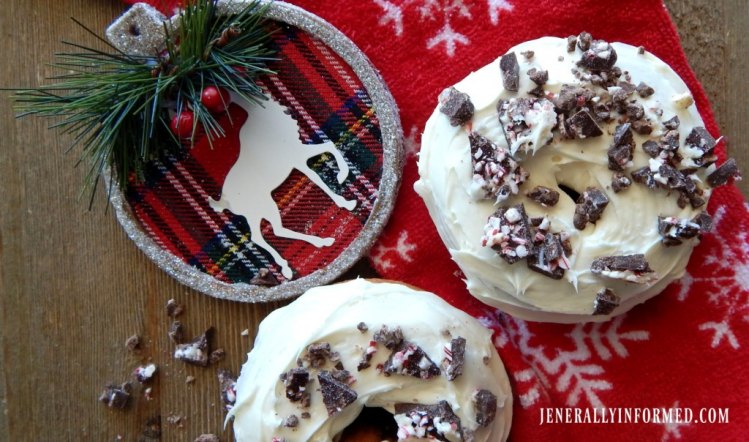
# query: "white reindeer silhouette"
269,149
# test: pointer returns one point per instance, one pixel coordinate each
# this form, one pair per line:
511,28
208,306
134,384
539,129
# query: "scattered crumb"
145,373
245,332
189,379
133,342
207,438
217,355
173,308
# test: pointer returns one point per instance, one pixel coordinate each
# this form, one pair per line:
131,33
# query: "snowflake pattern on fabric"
571,371
448,12
725,283
382,255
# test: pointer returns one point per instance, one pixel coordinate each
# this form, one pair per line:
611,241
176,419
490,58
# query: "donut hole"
572,193
373,424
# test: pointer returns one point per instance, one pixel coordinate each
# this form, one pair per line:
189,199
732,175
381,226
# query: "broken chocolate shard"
317,354
173,308
700,138
291,422
589,208
703,220
538,77
571,43
528,54
645,176
496,175
454,358
485,405
675,230
601,56
217,356
409,359
508,232
436,421
620,182
176,332
727,171
264,278
582,125
510,69
133,343
571,97
634,111
672,123
544,196
390,338
642,127
583,41
652,148
632,268
115,396
457,106
296,381
362,327
622,149
644,90
336,395
605,303
367,355
228,385
548,258
145,373
197,351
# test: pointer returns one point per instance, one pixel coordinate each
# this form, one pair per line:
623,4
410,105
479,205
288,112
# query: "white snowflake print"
446,12
410,145
727,285
570,372
383,256
672,430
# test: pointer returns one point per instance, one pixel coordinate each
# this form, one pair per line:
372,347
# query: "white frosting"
628,225
331,314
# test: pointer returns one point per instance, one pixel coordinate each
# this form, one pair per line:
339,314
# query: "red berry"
215,99
182,124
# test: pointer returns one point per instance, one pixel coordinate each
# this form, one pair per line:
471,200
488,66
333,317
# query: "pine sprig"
118,107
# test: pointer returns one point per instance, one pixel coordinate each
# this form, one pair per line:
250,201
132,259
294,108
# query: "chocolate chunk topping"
644,90
571,43
228,384
571,97
627,267
672,124
642,127
195,352
176,332
456,105
644,176
410,360
508,232
620,182
317,354
485,404
264,278
651,148
589,207
145,373
508,64
362,327
724,173
601,56
538,77
674,230
367,356
517,116
173,308
217,356
641,50
291,422
549,258
537,92
635,111
454,358
296,381
583,41
116,397
528,54
389,338
544,196
336,395
420,419
582,125
606,301
700,138
622,149
496,175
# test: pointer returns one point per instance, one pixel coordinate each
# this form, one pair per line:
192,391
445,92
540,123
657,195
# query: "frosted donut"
319,361
569,178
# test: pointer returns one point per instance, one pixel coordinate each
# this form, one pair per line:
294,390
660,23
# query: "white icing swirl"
331,314
628,225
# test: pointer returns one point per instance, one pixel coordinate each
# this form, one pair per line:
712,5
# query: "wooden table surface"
73,287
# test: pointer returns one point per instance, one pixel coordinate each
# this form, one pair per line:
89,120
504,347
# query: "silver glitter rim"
392,142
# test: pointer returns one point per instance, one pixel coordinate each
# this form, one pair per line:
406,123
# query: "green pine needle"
118,107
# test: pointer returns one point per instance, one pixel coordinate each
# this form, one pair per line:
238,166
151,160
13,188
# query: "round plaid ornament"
297,188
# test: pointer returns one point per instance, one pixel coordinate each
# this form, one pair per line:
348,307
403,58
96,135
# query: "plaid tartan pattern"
329,103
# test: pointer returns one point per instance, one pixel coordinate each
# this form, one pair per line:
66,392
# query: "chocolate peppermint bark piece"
601,56
589,208
571,43
496,175
115,396
606,301
173,308
485,404
584,41
454,358
652,148
622,148
632,268
228,384
336,395
508,232
367,355
544,196
317,355
644,90
538,76
510,69
620,182
724,173
645,177
390,338
526,123
409,359
698,147
549,257
176,332
436,421
197,351
457,106
675,230
145,373
582,125
672,123
296,381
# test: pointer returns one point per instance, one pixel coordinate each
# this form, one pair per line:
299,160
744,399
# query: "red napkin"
684,350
